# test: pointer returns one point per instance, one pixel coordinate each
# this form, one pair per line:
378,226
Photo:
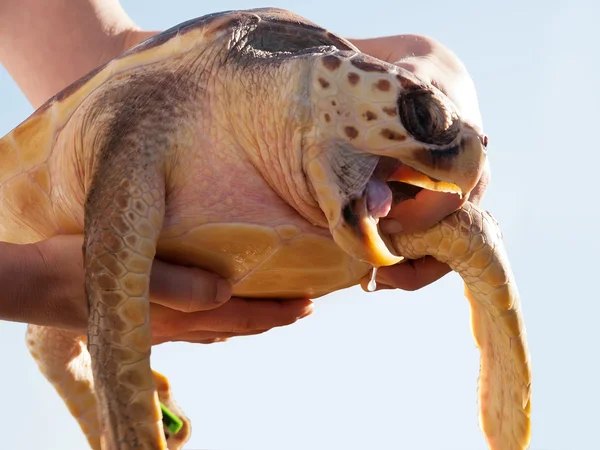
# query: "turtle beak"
456,169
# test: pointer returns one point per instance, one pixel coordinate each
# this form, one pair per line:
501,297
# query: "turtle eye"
427,117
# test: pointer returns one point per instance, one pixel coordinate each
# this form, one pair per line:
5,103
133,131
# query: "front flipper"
123,217
471,243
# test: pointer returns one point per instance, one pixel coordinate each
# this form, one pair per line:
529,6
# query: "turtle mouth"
356,189
391,182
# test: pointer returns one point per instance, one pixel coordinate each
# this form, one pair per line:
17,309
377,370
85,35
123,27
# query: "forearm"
47,44
30,287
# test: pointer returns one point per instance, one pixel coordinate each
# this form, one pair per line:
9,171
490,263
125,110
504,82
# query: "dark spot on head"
333,103
351,132
392,135
353,78
392,112
383,85
327,118
368,64
369,115
324,83
331,62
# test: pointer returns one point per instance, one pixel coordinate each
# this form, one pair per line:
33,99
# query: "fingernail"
223,291
308,312
391,226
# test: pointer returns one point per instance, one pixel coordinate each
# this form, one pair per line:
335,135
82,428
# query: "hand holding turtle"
42,284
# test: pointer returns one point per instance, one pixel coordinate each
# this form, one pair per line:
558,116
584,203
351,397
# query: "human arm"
46,45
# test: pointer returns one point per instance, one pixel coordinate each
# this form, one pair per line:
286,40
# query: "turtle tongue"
379,198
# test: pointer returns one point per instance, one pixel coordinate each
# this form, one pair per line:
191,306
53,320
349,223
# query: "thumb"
420,213
186,289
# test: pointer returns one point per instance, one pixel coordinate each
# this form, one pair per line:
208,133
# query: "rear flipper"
63,358
175,441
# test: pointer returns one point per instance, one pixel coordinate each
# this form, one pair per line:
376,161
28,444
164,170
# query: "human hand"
187,304
433,64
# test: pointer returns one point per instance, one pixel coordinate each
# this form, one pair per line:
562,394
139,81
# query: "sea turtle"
264,148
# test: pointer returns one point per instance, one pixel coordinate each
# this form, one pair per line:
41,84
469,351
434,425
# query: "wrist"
56,280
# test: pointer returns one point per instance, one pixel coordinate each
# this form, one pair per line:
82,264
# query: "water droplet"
372,282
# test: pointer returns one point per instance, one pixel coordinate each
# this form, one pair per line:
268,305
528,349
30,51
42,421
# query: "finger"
236,316
364,282
186,289
202,337
421,213
164,340
413,274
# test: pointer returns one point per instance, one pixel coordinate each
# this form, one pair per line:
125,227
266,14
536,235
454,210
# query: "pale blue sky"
399,369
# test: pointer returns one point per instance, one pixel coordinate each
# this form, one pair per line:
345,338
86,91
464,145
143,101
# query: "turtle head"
379,132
